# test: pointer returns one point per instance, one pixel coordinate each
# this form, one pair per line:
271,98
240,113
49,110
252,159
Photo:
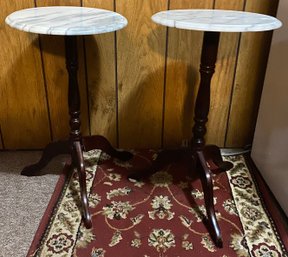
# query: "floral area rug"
161,216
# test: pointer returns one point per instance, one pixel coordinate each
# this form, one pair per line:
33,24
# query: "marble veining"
66,20
216,20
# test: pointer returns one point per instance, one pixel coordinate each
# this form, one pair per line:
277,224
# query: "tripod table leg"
50,151
78,163
207,184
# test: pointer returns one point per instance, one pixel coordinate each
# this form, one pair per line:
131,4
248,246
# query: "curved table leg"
50,151
63,147
163,158
214,159
207,184
144,173
78,162
100,142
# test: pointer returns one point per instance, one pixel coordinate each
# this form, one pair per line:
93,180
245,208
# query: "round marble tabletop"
216,20
66,20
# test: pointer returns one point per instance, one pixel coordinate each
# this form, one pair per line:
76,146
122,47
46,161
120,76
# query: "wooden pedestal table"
71,22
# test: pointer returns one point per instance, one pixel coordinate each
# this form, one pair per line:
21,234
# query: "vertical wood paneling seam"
45,84
164,81
214,4
86,82
245,3
2,139
45,89
232,90
233,83
116,81
86,79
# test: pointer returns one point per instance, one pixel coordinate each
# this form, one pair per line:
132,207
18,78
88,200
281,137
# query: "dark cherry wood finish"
76,143
206,159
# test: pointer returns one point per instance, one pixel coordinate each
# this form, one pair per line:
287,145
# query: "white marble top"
66,20
216,20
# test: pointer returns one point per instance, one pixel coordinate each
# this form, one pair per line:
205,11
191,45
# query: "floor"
23,200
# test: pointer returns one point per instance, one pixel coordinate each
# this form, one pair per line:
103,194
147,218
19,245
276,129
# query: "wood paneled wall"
138,85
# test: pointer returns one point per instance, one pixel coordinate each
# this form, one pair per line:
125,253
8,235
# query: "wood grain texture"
182,77
56,78
141,87
23,110
249,78
101,77
140,59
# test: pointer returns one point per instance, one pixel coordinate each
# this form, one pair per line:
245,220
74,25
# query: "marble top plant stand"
71,22
207,158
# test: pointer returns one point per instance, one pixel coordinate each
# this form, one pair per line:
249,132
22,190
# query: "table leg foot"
100,142
163,159
207,184
78,162
50,151
214,159
143,173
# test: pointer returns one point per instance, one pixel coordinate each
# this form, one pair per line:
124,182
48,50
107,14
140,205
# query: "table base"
204,158
205,161
75,149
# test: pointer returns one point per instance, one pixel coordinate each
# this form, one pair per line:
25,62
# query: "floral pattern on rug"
161,216
259,236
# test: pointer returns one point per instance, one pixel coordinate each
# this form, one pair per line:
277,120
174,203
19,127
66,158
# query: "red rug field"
161,216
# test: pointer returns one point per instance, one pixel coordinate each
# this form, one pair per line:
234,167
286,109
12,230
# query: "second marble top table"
70,22
207,159
216,20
